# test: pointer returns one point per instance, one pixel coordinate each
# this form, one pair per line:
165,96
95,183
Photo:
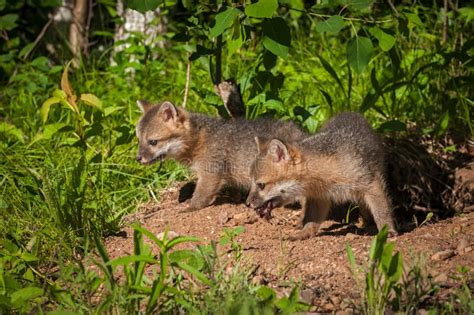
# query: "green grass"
71,178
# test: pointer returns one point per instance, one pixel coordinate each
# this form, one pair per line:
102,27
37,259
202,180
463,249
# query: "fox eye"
152,142
260,186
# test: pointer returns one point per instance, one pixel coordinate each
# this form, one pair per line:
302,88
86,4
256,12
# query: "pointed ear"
168,111
278,151
144,105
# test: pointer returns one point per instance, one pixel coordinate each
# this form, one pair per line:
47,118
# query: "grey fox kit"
343,162
219,152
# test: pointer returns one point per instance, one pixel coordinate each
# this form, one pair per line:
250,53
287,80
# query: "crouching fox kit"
343,162
219,152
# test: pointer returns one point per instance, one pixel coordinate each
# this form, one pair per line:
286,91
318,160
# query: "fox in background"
218,151
343,162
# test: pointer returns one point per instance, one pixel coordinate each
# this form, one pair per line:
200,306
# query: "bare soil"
320,263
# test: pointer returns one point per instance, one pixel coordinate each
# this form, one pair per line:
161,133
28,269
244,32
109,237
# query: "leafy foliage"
67,170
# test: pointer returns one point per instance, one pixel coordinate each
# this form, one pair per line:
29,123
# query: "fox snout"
253,201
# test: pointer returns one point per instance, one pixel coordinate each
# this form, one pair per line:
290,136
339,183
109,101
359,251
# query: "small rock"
463,243
422,311
350,236
307,296
442,255
328,307
467,249
335,300
441,278
224,217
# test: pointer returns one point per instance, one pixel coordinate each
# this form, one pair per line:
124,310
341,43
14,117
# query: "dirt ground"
320,263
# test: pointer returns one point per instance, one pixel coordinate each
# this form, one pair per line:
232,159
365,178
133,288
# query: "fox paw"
309,230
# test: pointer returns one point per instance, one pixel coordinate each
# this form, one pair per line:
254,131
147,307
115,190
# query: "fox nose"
139,158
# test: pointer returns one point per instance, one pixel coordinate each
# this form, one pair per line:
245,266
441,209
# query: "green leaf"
359,51
277,37
392,125
443,124
396,267
262,8
193,271
92,100
224,20
387,256
143,6
10,130
3,3
21,296
359,4
125,260
44,111
386,41
331,71
8,22
378,243
350,257
266,293
332,25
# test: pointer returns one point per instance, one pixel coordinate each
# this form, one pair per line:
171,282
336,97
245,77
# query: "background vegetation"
67,168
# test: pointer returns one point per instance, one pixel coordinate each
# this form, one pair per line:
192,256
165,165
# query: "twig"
40,36
218,77
445,22
393,8
186,87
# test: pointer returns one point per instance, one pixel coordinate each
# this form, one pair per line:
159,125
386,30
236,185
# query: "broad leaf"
92,100
392,125
359,51
386,41
262,8
359,4
44,111
143,6
277,37
8,22
332,25
21,296
224,20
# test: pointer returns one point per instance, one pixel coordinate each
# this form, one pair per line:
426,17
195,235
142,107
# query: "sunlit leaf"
386,41
23,295
44,111
332,25
91,99
224,20
262,8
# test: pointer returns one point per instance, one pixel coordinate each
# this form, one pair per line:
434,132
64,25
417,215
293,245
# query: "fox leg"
378,203
205,192
315,212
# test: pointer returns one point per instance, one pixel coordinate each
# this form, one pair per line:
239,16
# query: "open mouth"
265,210
160,158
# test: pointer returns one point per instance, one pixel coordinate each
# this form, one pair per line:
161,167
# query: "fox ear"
144,105
168,111
278,151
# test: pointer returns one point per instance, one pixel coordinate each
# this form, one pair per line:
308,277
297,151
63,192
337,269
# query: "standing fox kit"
343,162
219,152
